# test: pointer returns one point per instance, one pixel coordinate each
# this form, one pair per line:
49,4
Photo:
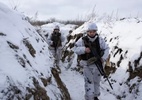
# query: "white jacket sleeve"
104,47
79,47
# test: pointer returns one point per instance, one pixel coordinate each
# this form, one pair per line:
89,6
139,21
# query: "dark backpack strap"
100,51
98,46
85,40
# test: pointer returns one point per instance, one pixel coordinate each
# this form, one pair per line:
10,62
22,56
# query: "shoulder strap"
98,43
100,51
86,41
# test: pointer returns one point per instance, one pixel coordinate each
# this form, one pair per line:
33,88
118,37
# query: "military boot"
96,98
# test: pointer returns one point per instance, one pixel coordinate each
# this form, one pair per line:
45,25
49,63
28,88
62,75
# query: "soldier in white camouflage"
91,73
55,41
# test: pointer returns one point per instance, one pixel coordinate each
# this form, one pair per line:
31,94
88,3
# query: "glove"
51,42
91,60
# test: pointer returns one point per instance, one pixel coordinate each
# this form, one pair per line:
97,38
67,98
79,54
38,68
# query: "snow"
125,34
17,29
74,81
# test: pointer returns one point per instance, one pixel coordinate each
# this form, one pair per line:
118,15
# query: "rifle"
98,63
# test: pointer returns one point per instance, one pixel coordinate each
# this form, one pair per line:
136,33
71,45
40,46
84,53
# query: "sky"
76,10
125,34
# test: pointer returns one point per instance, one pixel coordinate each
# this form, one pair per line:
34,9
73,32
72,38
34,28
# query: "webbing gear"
95,44
91,60
56,38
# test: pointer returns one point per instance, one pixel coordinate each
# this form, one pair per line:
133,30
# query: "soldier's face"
91,33
56,30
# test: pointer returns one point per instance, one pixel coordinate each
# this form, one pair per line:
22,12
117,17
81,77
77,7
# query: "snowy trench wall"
124,66
26,66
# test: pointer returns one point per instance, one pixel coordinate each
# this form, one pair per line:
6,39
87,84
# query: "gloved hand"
51,42
87,50
91,60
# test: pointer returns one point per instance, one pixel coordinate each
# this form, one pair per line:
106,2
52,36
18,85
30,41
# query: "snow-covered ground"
20,62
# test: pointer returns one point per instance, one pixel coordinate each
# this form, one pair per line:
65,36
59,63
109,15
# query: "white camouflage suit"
92,76
58,52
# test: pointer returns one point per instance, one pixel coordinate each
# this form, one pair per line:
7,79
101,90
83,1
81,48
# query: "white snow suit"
92,75
56,53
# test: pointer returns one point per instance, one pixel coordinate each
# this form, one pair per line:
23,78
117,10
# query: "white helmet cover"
92,26
56,27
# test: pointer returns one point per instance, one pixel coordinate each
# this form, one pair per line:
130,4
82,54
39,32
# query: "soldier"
55,41
91,73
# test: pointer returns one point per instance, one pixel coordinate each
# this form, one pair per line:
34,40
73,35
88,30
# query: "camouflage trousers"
92,79
57,55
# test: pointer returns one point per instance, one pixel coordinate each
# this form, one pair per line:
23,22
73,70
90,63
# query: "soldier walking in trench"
55,41
92,75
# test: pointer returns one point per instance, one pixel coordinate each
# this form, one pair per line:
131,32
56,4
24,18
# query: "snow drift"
26,65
